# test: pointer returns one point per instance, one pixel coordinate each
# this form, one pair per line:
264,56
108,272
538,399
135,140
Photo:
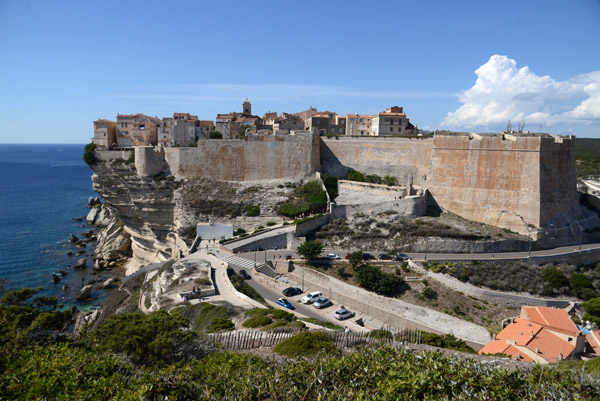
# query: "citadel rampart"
257,157
519,181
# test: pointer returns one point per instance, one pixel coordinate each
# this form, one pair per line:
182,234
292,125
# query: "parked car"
368,256
343,314
348,255
285,303
332,256
312,297
385,256
401,257
288,256
244,275
322,302
291,291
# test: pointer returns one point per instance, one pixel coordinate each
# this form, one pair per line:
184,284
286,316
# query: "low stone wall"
279,237
510,299
304,228
353,192
109,155
390,311
412,206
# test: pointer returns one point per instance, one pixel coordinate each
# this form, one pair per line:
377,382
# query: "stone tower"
247,107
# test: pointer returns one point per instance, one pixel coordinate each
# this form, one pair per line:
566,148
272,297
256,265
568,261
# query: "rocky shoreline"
111,254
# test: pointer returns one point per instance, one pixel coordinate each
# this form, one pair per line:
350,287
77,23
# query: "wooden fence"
250,339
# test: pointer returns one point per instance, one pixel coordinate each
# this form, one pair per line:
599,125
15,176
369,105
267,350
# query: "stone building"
229,124
306,114
136,129
326,123
105,134
358,124
392,122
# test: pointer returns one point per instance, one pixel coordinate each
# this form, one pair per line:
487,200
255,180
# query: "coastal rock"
113,242
104,217
73,238
110,283
92,215
84,293
81,263
93,201
55,278
77,218
70,253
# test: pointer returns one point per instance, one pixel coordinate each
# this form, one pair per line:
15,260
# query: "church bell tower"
247,107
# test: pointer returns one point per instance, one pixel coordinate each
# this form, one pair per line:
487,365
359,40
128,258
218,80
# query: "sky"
452,65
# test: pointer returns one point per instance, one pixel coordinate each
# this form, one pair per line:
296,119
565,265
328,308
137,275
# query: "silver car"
342,314
322,302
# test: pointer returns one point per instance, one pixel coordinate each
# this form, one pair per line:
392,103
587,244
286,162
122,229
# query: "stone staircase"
267,270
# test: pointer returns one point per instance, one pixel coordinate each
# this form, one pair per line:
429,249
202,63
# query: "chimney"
537,350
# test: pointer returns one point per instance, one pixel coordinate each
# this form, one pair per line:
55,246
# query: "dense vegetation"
354,175
587,156
548,280
309,197
371,278
88,154
308,343
205,317
152,357
269,319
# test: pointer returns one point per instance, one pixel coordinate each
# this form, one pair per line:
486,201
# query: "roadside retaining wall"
390,311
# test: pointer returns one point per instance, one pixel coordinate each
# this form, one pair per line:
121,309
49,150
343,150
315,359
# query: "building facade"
358,124
392,122
105,134
136,130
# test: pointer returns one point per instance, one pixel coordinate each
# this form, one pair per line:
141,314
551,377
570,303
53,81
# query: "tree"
356,259
88,154
555,277
310,249
592,306
215,135
242,131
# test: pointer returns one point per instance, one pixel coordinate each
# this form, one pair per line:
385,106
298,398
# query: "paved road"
272,295
271,254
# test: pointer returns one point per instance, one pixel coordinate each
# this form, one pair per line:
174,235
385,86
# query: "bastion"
522,182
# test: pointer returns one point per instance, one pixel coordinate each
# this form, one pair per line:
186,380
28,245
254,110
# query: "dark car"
244,275
288,257
368,256
291,291
384,256
401,257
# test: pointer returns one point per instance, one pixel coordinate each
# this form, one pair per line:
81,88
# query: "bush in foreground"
307,343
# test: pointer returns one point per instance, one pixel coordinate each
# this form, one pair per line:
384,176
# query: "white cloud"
504,92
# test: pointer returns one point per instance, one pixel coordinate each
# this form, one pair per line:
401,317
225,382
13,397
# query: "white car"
332,256
312,297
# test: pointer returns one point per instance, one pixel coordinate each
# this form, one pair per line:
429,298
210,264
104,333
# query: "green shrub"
381,334
270,223
252,210
555,278
371,278
447,341
88,154
205,317
429,293
215,135
240,230
257,321
220,324
307,343
131,158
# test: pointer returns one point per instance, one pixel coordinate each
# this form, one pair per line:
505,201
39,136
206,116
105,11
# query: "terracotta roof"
550,346
513,352
593,341
205,123
220,117
102,120
555,319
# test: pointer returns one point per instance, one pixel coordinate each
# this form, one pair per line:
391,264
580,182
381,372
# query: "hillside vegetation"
587,156
155,357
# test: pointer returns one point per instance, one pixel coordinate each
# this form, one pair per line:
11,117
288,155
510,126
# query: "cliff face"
160,213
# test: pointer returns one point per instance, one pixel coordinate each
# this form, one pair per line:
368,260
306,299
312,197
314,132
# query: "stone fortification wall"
499,179
109,155
258,157
405,158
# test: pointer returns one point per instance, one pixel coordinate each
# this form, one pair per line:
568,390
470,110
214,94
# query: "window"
391,121
360,120
391,129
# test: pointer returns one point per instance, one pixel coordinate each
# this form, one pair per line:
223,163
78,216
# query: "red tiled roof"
102,120
593,341
550,346
205,123
555,319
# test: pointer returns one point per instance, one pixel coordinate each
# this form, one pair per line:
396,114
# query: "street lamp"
580,237
426,240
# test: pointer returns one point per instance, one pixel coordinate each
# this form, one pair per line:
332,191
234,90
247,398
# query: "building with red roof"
541,334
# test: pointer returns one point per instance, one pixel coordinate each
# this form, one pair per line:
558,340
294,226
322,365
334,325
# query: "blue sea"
42,187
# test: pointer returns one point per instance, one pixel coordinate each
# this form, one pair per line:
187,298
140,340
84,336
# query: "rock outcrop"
84,293
157,215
